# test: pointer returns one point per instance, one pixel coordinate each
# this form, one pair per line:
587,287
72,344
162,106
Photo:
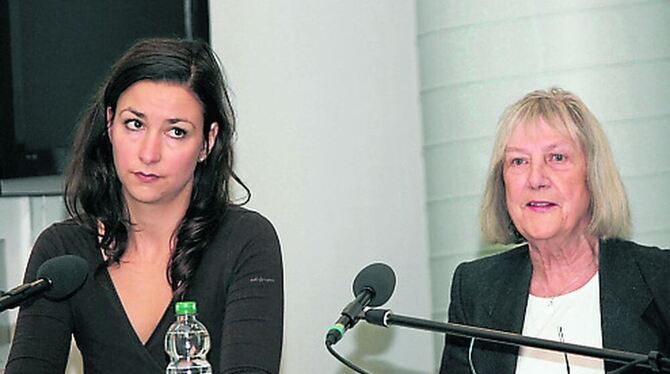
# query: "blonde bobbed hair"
564,111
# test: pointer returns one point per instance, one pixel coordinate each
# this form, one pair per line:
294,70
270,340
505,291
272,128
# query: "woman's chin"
543,235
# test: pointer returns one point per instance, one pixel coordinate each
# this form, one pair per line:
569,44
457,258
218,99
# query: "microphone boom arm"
384,317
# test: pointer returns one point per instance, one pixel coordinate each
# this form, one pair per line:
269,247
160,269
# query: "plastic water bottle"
187,342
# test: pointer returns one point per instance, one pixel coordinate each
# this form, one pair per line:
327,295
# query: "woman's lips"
540,206
146,177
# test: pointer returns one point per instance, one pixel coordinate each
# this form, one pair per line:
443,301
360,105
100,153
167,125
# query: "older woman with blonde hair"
554,192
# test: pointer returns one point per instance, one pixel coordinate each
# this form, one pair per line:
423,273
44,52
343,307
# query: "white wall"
330,144
14,234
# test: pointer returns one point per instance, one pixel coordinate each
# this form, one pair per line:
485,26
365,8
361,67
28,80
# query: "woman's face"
544,171
156,131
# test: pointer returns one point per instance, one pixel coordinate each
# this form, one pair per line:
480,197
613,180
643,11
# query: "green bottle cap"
185,307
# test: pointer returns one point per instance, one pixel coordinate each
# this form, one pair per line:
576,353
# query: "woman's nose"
150,148
537,178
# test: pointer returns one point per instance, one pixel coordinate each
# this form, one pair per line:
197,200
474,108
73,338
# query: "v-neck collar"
156,335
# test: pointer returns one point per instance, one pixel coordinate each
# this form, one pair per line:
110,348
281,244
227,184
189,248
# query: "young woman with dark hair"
149,192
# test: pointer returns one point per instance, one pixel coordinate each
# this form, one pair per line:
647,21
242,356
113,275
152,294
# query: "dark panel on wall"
60,52
6,114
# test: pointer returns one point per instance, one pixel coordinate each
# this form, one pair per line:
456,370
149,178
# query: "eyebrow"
143,116
550,147
133,111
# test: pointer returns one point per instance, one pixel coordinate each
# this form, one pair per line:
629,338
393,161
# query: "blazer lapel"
507,306
624,298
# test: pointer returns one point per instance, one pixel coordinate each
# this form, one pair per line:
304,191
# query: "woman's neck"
153,230
560,268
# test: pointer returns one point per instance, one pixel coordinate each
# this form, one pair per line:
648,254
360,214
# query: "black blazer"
492,292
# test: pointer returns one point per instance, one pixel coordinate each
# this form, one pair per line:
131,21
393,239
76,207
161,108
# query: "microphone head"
380,279
65,273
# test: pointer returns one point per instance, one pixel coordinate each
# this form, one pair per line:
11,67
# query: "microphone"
372,286
57,278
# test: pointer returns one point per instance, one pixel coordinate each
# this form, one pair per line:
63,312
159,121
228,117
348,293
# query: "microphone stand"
15,296
383,317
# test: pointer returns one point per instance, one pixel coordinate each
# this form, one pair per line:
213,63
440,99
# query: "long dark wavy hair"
93,192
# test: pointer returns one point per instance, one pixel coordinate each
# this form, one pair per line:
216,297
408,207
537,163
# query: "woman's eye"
516,161
177,132
558,157
133,124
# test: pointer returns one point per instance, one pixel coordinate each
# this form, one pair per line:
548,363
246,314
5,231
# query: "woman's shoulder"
511,256
237,217
62,238
68,228
632,248
494,269
244,237
235,213
68,225
646,256
241,227
652,263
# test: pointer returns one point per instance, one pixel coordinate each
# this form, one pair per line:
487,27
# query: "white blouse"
571,318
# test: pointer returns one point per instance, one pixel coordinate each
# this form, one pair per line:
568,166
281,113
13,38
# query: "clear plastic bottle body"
187,343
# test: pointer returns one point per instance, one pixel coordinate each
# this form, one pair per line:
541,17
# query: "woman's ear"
211,138
109,116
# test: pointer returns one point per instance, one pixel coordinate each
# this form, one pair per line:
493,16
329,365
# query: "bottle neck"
185,317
